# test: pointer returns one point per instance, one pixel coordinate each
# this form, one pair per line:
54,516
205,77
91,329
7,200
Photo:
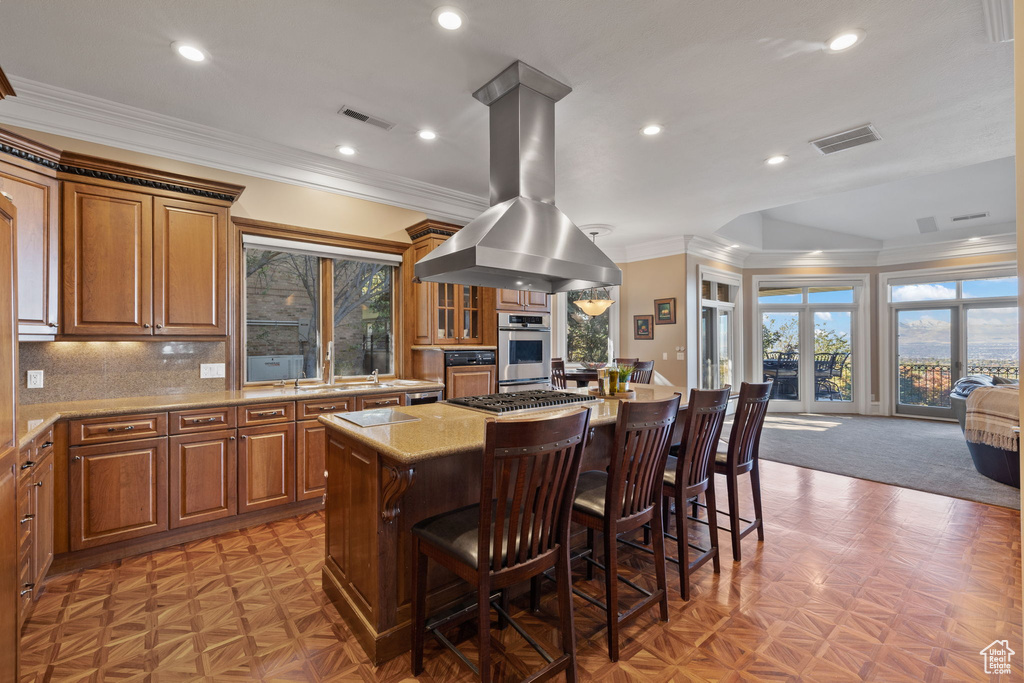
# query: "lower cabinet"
117,492
266,466
470,380
310,452
42,528
203,483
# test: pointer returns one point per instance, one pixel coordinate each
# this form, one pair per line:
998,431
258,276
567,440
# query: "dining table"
581,376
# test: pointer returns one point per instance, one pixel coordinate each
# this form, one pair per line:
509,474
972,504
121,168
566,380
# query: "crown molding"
986,246
704,247
998,19
73,114
803,259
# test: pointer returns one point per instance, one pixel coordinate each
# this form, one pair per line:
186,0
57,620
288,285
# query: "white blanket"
992,413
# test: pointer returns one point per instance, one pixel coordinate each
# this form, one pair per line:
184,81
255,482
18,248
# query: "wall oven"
524,351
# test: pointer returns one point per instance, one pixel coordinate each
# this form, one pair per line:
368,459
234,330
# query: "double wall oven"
524,351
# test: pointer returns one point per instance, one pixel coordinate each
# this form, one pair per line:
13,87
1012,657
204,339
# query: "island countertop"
443,429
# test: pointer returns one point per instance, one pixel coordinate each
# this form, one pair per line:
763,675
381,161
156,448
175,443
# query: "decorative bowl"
592,365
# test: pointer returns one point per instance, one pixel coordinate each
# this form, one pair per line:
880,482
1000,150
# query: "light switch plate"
664,356
34,379
680,356
210,370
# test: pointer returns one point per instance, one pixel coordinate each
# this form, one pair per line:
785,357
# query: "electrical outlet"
210,370
35,379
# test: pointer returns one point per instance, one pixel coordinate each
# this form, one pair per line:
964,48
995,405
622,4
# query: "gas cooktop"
521,401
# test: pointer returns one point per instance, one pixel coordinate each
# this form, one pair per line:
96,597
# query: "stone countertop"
33,419
444,429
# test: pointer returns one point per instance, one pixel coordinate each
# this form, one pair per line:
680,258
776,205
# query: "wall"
642,283
79,371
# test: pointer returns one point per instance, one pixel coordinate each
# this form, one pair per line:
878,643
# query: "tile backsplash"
80,371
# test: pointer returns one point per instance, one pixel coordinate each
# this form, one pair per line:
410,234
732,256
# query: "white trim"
50,109
732,279
998,20
318,250
992,244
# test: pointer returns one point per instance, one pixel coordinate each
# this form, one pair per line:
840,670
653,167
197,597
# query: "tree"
586,336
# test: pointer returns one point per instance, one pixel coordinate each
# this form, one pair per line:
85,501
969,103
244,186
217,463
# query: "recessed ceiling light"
973,239
734,246
652,129
776,160
427,134
346,150
449,18
189,52
816,251
844,41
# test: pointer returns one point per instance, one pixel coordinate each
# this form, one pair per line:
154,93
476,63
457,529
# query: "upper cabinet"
443,313
515,300
28,176
143,260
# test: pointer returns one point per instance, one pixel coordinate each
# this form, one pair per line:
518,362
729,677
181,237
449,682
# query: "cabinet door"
108,261
473,380
9,587
8,330
118,491
536,301
266,466
470,315
310,457
35,196
42,526
446,313
190,261
203,486
423,294
509,300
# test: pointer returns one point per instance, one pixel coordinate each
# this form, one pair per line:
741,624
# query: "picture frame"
643,327
665,311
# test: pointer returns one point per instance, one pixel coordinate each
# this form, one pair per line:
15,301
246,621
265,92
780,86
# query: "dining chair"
740,456
688,475
625,498
642,372
558,373
627,361
824,363
519,529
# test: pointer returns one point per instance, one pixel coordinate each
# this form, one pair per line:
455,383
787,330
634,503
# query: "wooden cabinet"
266,413
470,380
203,484
42,528
381,401
171,257
310,460
118,491
120,428
266,466
10,626
33,189
516,300
312,409
9,535
202,420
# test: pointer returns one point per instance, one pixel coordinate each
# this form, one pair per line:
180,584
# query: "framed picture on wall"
643,327
665,311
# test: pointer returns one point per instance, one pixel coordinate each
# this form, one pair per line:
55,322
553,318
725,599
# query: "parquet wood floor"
856,581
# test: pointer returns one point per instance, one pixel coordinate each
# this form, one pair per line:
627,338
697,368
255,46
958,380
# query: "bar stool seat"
590,492
458,533
672,464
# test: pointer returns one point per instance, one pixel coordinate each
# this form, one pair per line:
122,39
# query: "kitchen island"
382,480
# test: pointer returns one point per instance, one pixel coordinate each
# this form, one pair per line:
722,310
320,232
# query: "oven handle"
524,329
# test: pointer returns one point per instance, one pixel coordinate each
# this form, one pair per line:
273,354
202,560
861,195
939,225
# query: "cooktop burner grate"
538,399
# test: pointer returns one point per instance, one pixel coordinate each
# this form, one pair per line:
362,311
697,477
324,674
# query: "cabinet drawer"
111,429
266,413
310,410
202,420
43,444
381,401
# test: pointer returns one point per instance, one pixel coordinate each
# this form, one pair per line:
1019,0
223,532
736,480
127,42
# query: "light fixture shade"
594,307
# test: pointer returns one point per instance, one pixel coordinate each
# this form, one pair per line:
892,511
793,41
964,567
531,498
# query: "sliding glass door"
927,357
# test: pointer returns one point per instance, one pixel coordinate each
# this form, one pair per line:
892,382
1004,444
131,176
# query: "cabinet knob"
244,437
231,438
145,325
76,458
51,324
39,484
159,326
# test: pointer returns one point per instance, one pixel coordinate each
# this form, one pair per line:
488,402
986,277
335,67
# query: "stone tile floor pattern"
855,581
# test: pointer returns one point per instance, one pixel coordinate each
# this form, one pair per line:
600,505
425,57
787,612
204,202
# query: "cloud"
922,292
823,316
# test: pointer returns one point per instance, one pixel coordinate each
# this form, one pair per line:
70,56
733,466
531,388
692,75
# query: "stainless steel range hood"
523,241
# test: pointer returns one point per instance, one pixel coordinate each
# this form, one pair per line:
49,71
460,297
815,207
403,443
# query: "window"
289,285
588,338
717,333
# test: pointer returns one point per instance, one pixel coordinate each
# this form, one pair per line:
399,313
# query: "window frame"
720,277
560,325
312,240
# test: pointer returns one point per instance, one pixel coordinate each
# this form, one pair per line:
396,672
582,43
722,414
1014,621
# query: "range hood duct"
523,241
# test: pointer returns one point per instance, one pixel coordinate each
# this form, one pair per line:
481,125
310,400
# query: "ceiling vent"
969,217
847,139
365,118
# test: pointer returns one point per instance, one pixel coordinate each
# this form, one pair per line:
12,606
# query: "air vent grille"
969,216
365,118
847,139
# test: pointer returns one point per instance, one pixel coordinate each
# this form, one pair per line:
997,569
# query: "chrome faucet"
373,377
297,379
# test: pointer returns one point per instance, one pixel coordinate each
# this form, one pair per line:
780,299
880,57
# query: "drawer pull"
121,429
206,419
28,589
47,444
324,410
27,464
27,518
269,413
51,324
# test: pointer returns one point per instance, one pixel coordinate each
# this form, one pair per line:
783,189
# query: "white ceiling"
733,81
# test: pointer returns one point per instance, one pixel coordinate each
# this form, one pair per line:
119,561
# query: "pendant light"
594,307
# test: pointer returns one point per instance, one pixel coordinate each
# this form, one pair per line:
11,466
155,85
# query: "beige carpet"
918,454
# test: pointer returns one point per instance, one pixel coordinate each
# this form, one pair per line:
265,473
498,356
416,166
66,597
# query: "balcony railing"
929,384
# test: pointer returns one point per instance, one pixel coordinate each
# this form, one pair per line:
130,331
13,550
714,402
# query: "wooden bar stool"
624,499
740,456
557,373
520,528
687,476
